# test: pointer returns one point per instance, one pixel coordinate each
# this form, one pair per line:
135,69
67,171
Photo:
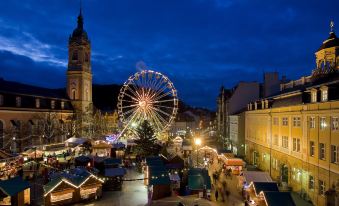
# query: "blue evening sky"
199,44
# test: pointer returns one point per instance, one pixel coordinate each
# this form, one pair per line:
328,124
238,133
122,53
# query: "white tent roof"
256,176
76,140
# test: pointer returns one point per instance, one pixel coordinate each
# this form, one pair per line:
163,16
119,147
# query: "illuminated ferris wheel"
148,95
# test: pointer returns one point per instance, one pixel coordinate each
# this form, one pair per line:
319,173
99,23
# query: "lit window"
324,95
334,154
1,100
323,124
37,103
311,182
284,141
335,123
62,105
52,104
312,147
275,121
285,121
322,151
18,101
276,140
312,122
321,187
296,145
296,122
314,96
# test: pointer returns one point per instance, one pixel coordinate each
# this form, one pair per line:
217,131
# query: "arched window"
1,134
73,94
75,55
86,57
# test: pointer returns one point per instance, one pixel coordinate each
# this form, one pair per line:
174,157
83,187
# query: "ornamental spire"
80,18
332,26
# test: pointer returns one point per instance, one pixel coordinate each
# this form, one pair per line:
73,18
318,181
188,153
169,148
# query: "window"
18,101
323,124
324,95
314,96
296,122
312,147
296,175
321,187
285,121
37,103
335,123
296,145
311,182
1,100
73,94
86,57
52,104
322,151
284,141
276,140
62,105
334,154
1,134
275,121
75,55
312,122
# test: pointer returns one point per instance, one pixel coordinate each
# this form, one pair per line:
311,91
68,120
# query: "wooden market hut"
198,180
15,192
159,184
72,187
101,148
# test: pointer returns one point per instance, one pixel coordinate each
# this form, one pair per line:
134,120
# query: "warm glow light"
197,141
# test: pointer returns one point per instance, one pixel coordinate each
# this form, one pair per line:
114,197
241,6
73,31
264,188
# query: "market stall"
101,148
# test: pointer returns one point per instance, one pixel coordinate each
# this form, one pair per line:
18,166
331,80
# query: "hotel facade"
294,135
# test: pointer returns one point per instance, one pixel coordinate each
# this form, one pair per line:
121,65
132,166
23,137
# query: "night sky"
199,44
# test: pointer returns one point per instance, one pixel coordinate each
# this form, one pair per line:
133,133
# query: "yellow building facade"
294,135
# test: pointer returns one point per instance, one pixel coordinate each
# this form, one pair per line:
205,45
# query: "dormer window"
314,95
324,94
1,100
52,104
37,103
18,101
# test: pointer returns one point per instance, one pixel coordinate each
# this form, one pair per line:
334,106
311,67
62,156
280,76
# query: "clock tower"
79,74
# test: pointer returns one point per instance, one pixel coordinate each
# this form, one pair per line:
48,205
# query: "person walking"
216,195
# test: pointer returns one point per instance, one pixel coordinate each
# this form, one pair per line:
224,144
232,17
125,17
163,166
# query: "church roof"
79,32
25,89
331,41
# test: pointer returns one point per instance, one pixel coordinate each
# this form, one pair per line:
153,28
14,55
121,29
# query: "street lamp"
197,142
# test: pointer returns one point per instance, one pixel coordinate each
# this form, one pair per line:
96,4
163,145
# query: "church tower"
79,74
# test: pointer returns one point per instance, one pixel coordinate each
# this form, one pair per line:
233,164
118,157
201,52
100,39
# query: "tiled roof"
265,186
20,88
13,186
279,199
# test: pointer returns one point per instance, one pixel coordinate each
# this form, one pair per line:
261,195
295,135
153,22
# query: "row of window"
322,152
321,184
37,102
324,95
322,122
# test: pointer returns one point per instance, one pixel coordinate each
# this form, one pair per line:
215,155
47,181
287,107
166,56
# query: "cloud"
25,44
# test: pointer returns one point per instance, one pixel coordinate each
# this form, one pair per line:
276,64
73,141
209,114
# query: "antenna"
332,26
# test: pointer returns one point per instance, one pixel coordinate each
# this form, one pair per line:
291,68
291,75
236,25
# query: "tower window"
75,55
73,94
62,105
86,57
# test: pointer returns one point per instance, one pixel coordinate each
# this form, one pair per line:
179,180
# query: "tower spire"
332,26
80,18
